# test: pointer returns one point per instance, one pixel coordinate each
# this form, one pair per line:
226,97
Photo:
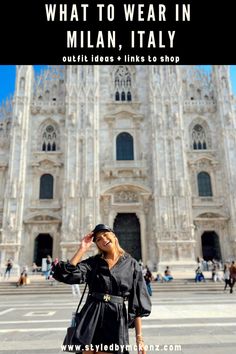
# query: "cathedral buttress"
12,233
172,220
82,164
227,124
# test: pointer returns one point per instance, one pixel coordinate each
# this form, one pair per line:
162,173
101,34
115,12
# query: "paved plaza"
183,322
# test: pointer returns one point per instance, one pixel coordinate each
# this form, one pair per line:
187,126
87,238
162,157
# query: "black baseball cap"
101,227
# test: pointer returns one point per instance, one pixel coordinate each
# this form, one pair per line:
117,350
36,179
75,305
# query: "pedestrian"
159,277
226,273
209,264
34,268
148,277
53,263
213,272
216,272
140,262
167,274
199,275
205,265
232,271
76,290
48,265
23,280
113,277
9,266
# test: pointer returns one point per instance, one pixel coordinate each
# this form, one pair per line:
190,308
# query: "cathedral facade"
148,150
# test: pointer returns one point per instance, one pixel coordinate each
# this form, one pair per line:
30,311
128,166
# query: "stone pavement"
183,322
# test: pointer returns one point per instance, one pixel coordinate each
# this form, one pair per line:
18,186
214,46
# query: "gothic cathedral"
148,150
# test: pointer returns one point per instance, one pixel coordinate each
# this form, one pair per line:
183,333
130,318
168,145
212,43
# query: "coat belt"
108,298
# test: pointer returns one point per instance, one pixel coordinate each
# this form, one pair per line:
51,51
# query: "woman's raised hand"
84,246
87,241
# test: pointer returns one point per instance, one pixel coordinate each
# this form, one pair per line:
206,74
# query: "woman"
8,268
226,273
23,280
148,279
167,274
232,270
48,267
199,275
112,276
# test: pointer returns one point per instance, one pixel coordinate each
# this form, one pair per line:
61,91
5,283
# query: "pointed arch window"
123,83
49,138
46,187
129,96
199,138
117,96
204,184
122,96
124,147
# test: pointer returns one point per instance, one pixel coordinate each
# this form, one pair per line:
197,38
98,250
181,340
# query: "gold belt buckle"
106,298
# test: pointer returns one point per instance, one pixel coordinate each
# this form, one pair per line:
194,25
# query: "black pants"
232,282
227,282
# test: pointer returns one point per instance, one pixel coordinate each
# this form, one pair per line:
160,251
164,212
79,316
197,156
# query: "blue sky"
7,80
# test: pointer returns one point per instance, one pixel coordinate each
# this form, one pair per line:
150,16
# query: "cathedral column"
12,231
81,182
227,121
172,198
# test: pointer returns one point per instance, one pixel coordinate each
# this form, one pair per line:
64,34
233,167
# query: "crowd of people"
219,272
25,271
149,277
46,271
24,275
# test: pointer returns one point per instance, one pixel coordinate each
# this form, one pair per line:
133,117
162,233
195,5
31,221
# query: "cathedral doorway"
42,247
127,229
210,246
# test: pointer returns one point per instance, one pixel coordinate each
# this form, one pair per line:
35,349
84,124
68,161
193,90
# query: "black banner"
115,32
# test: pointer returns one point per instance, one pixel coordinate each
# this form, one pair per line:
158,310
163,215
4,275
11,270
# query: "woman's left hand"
141,346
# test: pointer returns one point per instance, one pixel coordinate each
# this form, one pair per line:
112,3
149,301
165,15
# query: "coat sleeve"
69,274
139,304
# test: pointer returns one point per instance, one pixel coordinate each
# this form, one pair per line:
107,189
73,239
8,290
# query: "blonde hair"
120,250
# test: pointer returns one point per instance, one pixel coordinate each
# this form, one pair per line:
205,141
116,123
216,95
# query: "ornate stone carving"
181,187
164,219
106,201
163,187
72,118
13,189
11,221
228,118
72,188
50,86
89,189
126,197
89,222
18,118
184,220
209,215
166,235
71,223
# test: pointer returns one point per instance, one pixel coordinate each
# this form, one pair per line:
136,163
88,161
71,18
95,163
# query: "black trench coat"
105,322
